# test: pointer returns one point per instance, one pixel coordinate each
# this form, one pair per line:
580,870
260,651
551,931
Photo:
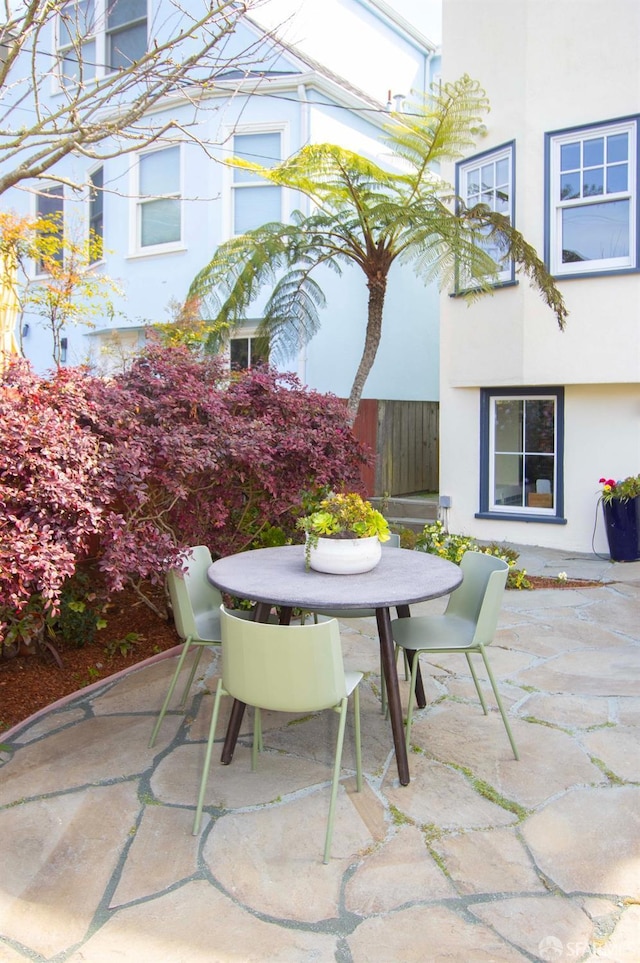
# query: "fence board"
404,437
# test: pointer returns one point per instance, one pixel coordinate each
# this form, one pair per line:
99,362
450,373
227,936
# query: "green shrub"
435,540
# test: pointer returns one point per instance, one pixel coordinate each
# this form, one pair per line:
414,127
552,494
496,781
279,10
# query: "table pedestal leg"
405,613
393,692
261,614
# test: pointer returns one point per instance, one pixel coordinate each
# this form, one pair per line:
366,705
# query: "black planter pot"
622,524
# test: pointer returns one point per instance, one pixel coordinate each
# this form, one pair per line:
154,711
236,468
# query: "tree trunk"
377,290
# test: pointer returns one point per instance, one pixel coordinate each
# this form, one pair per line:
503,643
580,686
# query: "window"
126,33
522,433
255,200
488,179
50,210
247,353
96,214
77,42
97,36
159,206
592,199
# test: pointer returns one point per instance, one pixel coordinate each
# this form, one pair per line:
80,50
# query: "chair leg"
256,746
499,701
172,685
207,759
412,697
477,684
358,740
336,779
192,675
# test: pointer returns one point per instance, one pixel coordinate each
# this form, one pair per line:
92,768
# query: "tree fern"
369,216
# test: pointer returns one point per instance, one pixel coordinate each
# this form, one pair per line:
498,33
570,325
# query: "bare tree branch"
46,114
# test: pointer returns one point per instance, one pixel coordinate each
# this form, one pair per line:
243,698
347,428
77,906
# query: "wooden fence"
404,437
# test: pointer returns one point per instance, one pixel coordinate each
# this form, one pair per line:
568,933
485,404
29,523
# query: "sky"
324,30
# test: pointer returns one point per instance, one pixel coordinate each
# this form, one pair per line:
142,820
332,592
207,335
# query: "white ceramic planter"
345,556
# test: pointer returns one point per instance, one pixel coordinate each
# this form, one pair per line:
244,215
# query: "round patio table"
277,576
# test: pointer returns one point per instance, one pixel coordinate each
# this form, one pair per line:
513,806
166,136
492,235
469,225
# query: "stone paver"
589,841
481,858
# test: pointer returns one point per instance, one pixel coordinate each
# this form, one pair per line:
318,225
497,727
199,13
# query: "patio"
480,858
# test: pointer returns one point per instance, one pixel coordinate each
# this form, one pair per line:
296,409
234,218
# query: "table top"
278,576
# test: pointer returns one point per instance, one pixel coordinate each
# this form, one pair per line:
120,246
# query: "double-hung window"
488,179
592,198
522,433
255,200
96,214
99,36
159,206
77,42
50,215
126,32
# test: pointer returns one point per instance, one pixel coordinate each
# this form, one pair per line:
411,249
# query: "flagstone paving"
481,858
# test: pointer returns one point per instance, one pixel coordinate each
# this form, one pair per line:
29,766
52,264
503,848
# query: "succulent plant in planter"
342,516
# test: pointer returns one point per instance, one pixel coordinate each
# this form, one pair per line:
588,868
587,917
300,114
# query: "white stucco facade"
541,63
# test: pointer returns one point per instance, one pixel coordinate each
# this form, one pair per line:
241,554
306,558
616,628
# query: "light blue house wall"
306,103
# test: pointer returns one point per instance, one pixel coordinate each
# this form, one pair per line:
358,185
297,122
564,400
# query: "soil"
133,633
29,682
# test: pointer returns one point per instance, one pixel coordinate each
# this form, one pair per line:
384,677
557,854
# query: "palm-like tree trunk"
377,289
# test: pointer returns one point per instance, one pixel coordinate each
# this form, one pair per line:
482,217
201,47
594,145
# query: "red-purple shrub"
172,453
53,491
204,458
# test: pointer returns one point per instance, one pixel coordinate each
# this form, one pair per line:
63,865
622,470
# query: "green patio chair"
467,625
285,668
196,612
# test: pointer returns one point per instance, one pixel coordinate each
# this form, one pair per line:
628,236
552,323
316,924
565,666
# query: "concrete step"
413,513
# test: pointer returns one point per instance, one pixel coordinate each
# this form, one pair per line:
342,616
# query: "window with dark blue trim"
591,190
521,453
488,179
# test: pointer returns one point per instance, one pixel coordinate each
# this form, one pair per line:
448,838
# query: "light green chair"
196,612
468,625
392,542
285,668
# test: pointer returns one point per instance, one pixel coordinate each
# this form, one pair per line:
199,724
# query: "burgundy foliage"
175,452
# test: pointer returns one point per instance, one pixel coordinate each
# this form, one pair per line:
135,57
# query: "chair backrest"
479,597
287,668
190,592
393,541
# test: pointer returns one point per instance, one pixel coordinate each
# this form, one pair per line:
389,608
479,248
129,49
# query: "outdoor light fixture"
63,350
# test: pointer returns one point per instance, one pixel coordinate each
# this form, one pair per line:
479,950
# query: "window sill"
156,251
596,273
463,292
523,517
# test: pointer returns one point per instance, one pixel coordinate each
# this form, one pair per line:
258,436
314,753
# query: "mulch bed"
543,582
29,682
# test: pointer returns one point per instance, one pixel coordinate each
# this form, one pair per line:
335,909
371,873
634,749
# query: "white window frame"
464,169
245,331
62,48
100,39
246,130
556,205
138,201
